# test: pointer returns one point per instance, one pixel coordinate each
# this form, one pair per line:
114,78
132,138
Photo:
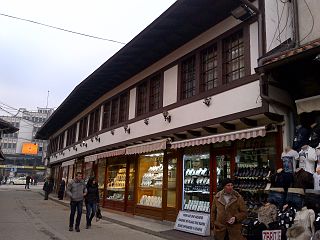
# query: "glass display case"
196,187
116,182
172,181
150,180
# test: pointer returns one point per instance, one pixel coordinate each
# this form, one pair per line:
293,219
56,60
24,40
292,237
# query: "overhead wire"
61,29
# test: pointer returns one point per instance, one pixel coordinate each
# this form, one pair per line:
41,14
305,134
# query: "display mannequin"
316,179
305,218
289,159
307,158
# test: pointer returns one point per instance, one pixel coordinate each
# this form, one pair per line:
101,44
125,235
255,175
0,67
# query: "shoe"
77,230
70,229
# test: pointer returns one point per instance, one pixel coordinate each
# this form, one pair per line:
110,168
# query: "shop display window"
196,187
223,168
116,180
88,171
150,180
65,172
101,177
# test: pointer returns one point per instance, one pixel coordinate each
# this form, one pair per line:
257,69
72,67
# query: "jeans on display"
278,198
295,200
75,206
91,212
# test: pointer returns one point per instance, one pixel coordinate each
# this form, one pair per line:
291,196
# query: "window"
61,140
94,121
71,135
149,95
106,115
124,104
155,91
233,55
209,66
114,111
83,128
142,99
188,78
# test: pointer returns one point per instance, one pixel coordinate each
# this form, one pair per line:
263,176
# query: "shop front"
247,156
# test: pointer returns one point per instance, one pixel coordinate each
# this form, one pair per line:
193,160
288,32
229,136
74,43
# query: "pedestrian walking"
76,190
227,212
62,188
1,179
48,187
91,200
28,180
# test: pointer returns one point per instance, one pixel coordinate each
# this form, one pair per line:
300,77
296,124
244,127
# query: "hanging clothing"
303,179
307,159
305,217
267,214
289,160
316,179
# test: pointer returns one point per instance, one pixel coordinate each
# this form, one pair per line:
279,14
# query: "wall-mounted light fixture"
146,121
83,144
167,116
207,101
112,131
126,129
69,149
97,138
92,139
75,148
62,153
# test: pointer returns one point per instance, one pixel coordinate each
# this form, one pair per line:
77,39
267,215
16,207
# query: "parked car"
18,180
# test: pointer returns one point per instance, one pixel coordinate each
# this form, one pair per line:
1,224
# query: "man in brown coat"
227,212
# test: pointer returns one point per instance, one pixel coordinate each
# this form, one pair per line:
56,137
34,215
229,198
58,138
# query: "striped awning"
68,163
147,147
112,153
91,158
224,137
308,104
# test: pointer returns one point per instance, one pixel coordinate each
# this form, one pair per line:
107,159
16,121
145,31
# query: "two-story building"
180,108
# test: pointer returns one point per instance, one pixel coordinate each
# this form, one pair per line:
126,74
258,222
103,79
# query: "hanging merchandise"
301,137
307,158
314,139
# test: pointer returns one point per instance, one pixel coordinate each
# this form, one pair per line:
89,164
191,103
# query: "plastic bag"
98,213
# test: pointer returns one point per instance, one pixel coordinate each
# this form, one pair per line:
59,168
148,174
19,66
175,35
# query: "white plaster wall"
279,22
132,103
236,100
170,86
309,20
24,134
254,46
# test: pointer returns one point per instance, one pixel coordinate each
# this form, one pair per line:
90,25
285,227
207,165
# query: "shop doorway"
222,166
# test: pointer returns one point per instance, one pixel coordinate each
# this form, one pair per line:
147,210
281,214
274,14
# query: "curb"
131,226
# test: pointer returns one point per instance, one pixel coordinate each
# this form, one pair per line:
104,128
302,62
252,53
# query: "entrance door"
222,167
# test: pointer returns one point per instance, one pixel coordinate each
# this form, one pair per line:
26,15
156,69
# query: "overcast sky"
35,59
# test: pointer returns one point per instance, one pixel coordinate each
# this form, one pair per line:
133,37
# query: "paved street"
25,215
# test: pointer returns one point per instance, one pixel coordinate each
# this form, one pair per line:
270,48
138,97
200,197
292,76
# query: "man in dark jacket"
48,187
227,212
28,179
76,190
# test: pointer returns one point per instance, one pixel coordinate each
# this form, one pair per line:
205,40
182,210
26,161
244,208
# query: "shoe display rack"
251,178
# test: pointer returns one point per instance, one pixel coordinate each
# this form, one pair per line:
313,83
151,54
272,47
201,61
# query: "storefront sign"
193,222
271,235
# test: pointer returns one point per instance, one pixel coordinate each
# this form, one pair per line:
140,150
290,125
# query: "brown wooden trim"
279,142
247,113
262,10
228,126
247,52
249,122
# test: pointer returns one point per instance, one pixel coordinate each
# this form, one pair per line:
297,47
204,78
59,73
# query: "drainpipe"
296,37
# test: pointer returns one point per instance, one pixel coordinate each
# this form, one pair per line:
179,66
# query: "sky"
35,59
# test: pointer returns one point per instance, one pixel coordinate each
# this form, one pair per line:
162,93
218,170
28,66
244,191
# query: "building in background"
5,128
23,153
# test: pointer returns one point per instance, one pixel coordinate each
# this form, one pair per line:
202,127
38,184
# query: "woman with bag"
91,200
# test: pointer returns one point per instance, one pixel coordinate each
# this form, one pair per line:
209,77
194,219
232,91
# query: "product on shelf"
152,201
196,205
116,196
153,177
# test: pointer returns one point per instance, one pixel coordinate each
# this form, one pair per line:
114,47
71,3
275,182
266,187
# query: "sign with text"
271,235
193,222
